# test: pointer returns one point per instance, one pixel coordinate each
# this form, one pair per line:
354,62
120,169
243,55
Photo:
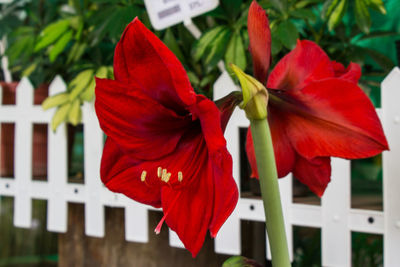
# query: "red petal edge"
141,57
260,41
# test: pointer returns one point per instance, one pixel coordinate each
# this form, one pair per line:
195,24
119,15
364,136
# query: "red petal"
141,57
334,117
226,106
284,153
121,174
260,41
136,122
351,74
210,120
338,68
314,173
304,64
205,204
225,190
251,155
190,215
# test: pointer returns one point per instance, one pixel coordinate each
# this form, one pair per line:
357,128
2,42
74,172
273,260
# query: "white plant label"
165,13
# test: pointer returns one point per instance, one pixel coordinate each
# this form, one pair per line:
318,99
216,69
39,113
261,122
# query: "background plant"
76,39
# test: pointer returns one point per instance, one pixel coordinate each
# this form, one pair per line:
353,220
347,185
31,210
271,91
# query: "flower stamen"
159,170
143,176
180,176
159,225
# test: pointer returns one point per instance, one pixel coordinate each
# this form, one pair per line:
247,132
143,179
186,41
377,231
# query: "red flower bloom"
315,110
165,145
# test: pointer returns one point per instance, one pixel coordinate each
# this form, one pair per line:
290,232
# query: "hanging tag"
165,13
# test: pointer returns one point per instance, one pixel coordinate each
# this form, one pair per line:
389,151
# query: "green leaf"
235,52
102,72
337,14
217,48
329,7
60,115
76,52
30,69
111,20
363,18
55,100
288,34
240,261
88,94
205,40
51,33
385,62
22,48
194,80
207,80
79,83
379,34
60,45
377,5
75,113
170,41
304,3
231,7
304,13
280,5
276,45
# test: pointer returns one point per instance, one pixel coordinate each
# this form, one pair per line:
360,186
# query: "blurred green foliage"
76,39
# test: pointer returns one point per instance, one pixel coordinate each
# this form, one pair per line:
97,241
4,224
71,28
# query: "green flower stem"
268,177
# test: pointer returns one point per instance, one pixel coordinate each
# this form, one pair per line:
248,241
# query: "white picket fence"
335,216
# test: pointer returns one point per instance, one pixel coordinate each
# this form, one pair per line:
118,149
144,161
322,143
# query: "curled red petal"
352,73
334,117
338,68
122,174
136,122
260,41
315,173
307,62
227,105
141,57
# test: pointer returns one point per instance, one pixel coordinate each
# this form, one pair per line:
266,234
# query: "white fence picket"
23,154
335,216
391,167
335,234
57,167
93,149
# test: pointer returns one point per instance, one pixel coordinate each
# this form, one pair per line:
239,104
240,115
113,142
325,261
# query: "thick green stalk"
268,177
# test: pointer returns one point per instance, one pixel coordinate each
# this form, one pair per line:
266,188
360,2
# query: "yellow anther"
180,176
143,176
159,170
167,177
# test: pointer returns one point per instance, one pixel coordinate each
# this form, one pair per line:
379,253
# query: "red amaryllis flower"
315,110
165,146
